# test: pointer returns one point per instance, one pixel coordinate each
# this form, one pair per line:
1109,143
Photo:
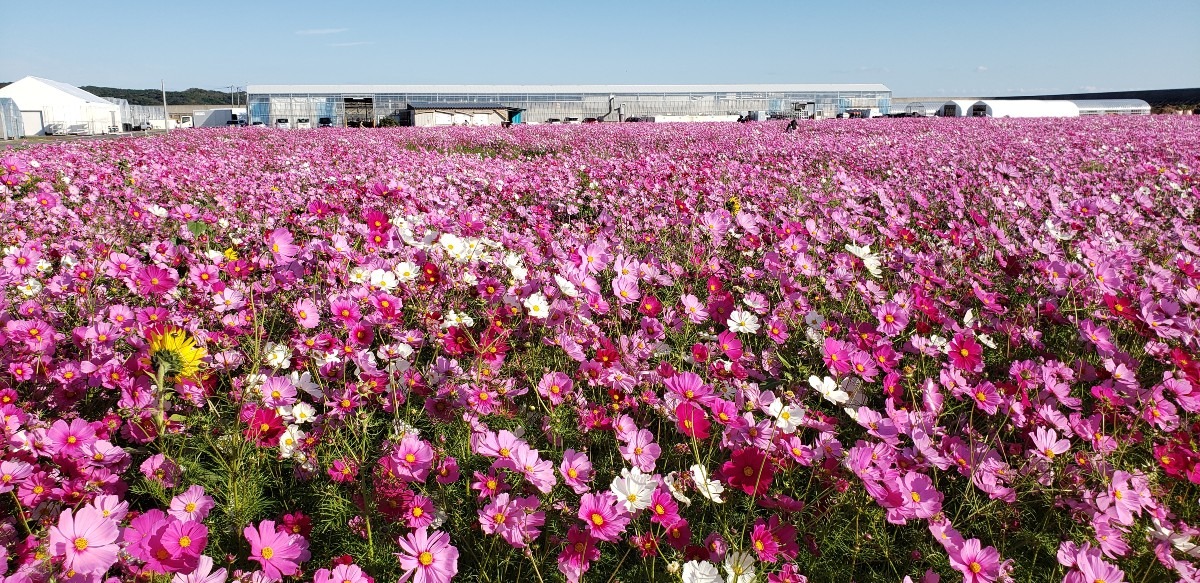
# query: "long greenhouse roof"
554,89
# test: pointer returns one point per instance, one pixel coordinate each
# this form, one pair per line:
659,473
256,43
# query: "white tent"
1112,106
61,108
1024,108
957,108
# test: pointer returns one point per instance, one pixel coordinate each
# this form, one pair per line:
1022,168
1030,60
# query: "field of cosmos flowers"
868,350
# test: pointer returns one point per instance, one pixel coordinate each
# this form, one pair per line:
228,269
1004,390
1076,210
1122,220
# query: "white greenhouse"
957,108
1024,108
11,126
51,107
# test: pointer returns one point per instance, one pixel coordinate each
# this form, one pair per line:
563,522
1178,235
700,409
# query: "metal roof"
71,90
445,105
1110,103
551,89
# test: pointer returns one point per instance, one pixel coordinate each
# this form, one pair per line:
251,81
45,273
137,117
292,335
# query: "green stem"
20,511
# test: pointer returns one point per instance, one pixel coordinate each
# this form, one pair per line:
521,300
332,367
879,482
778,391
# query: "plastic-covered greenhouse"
1112,106
11,126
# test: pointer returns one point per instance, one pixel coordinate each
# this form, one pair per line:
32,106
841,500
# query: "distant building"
458,114
1112,106
11,125
1024,108
52,107
370,105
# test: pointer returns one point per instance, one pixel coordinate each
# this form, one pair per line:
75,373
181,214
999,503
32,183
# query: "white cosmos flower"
701,572
30,288
304,382
870,260
290,440
513,262
829,389
739,567
406,271
383,280
278,355
710,489
359,275
633,489
537,305
568,288
743,321
454,318
672,482
302,413
814,320
787,417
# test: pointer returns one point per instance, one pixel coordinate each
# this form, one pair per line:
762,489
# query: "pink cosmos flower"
1046,443
419,512
86,540
411,459
1121,500
278,553
155,281
695,311
641,451
603,516
203,573
159,468
664,510
836,355
690,387
920,498
986,397
185,541
691,421
554,387
576,470
13,472
277,392
976,565
625,288
428,558
307,313
577,555
192,504
281,244
965,353
341,574
68,440
892,318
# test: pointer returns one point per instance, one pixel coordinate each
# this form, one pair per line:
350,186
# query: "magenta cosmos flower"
279,553
427,558
86,541
604,516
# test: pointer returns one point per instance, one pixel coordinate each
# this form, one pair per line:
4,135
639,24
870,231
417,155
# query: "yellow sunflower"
174,353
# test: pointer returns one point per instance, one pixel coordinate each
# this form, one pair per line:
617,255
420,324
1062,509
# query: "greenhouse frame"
357,105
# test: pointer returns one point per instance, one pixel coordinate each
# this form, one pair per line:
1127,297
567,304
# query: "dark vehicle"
324,122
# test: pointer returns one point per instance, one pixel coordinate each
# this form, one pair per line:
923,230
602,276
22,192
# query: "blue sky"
999,47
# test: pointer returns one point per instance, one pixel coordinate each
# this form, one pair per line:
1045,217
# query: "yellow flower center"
81,544
417,511
190,507
916,497
185,541
425,558
410,458
268,552
597,519
975,567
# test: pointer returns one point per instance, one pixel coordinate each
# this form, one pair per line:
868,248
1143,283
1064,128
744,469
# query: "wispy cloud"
981,69
351,44
315,31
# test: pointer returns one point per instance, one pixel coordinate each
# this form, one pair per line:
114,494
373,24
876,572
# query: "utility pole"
166,116
231,95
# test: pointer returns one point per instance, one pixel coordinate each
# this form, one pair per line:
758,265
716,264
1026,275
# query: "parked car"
324,122
55,129
283,123
303,123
